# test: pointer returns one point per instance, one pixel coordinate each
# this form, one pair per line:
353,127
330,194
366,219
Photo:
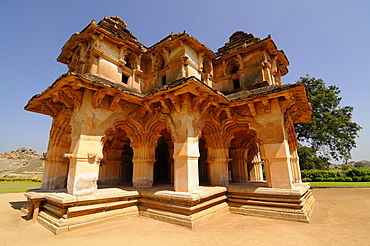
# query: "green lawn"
340,184
23,186
19,186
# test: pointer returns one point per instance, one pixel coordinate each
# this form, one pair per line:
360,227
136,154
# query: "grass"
23,186
19,186
340,184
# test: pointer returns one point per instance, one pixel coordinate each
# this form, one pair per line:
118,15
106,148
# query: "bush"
339,179
319,179
357,179
366,178
330,180
306,180
314,174
348,179
357,171
20,179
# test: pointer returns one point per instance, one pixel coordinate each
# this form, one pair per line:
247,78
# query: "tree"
331,134
308,159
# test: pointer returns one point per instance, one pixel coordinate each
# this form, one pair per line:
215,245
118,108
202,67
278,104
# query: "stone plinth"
185,209
290,204
61,212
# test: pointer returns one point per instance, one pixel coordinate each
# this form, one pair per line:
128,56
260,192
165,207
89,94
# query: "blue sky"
325,39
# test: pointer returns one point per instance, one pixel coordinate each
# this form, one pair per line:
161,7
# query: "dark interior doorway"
162,164
127,167
202,163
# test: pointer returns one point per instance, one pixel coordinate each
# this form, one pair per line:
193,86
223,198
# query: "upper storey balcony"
109,50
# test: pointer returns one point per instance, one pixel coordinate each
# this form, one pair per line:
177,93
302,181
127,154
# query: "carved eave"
292,97
67,92
98,31
62,94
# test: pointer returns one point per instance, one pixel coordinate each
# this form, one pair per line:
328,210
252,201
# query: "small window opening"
124,79
164,80
234,70
128,63
236,83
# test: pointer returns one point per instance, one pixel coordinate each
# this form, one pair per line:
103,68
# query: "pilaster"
144,158
218,165
275,146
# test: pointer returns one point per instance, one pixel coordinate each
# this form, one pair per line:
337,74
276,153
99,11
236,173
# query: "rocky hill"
21,163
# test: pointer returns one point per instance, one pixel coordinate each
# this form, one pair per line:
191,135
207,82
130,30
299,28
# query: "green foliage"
357,171
355,174
348,179
20,179
357,179
331,131
345,167
340,184
366,178
320,175
339,179
308,159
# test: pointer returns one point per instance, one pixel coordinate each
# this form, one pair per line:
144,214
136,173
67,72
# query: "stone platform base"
185,209
289,204
60,212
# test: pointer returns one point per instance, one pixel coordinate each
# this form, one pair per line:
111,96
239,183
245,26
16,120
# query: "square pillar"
218,160
278,167
144,158
239,169
186,176
84,166
255,173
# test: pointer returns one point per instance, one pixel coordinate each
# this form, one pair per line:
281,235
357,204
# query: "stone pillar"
185,125
239,171
274,146
144,158
56,166
110,171
218,159
89,123
278,167
185,157
255,173
84,165
296,170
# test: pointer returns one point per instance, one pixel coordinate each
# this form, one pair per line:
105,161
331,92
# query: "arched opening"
202,162
127,166
234,69
116,166
242,156
163,166
128,62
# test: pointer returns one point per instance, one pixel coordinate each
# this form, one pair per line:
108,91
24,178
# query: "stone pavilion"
174,132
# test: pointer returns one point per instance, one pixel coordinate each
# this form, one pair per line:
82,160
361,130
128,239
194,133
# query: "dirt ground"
341,217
